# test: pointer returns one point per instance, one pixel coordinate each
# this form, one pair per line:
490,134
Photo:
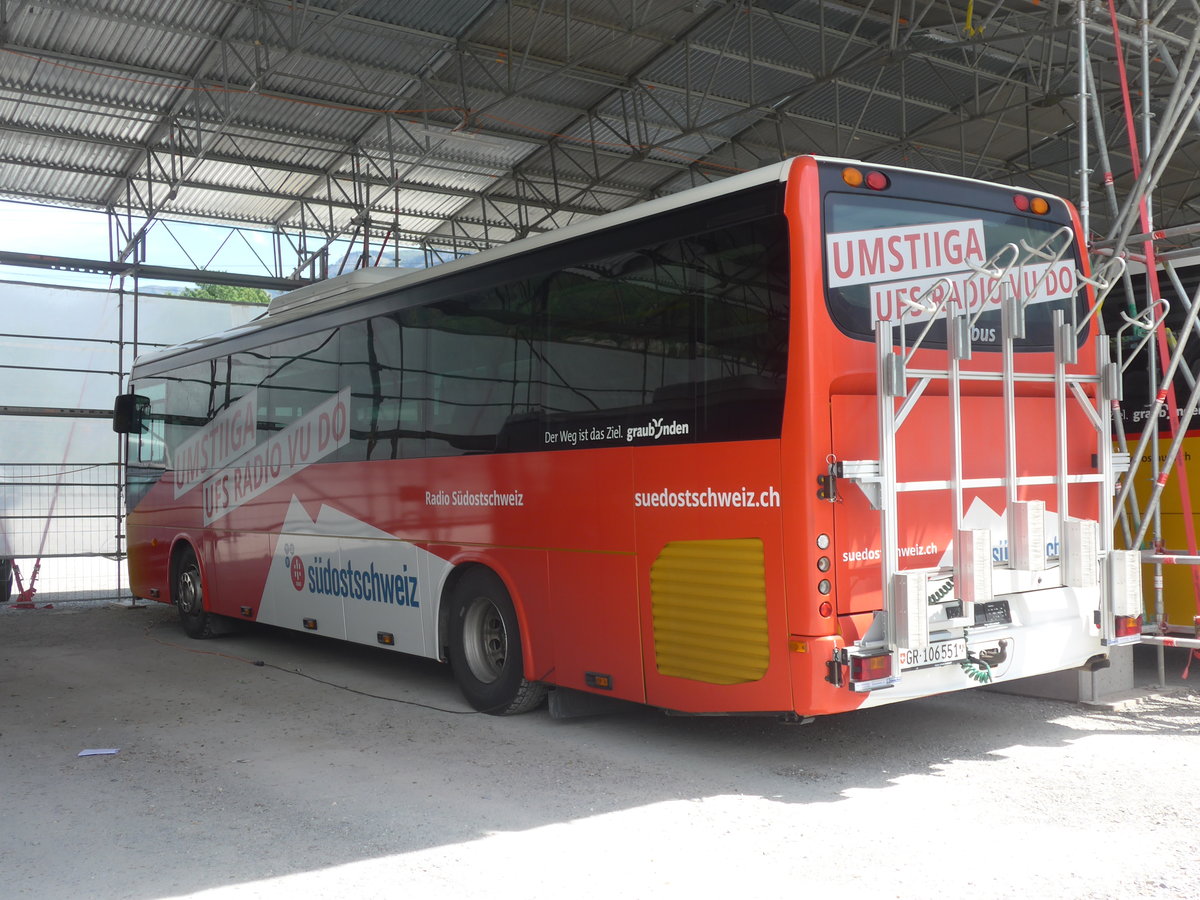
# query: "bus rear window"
892,258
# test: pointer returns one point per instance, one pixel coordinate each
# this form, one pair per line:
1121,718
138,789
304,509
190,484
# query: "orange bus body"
684,574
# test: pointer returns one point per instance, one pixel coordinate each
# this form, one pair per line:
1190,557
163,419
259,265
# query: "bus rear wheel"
188,593
485,648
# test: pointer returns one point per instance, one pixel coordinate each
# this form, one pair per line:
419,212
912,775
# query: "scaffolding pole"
1163,127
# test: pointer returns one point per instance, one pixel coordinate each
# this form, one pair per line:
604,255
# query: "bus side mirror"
129,413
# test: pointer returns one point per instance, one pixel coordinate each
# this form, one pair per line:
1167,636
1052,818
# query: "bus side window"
694,328
383,363
247,371
302,374
189,404
741,273
484,348
149,448
618,330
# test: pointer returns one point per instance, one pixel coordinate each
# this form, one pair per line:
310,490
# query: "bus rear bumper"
1047,631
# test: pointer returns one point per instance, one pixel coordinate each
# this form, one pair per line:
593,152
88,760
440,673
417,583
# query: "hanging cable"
969,27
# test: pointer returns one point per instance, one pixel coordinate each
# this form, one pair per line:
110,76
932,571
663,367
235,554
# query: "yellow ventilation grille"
709,603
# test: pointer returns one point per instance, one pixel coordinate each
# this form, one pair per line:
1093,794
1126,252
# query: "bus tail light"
1036,205
877,181
870,672
1127,626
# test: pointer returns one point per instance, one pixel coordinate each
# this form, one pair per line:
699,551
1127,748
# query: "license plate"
935,654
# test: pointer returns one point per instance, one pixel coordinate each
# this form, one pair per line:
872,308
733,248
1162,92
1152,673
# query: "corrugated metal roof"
446,17
460,117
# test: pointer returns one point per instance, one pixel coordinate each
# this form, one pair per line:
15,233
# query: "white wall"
58,492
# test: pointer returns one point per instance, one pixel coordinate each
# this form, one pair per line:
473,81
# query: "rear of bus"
911,250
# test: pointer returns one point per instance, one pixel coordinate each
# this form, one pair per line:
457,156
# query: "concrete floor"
235,780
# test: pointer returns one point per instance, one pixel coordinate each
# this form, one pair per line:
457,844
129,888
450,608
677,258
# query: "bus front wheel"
188,594
485,648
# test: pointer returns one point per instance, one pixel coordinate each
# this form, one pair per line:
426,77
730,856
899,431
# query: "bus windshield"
890,258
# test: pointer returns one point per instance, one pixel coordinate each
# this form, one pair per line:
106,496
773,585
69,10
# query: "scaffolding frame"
1132,236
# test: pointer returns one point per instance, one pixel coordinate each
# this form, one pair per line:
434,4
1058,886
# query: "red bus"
818,436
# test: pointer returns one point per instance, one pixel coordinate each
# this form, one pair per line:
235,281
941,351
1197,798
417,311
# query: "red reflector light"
1021,202
870,668
1128,625
877,181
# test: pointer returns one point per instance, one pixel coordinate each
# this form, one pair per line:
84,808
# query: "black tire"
485,648
6,574
187,593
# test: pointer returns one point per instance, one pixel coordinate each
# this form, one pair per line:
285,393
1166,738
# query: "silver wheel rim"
190,597
485,640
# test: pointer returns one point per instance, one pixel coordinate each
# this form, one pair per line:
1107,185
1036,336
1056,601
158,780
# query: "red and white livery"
810,438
